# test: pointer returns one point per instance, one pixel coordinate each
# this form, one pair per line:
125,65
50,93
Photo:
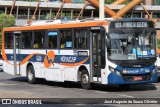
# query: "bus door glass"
16,52
96,49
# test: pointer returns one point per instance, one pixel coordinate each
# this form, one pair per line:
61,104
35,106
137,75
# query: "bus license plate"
137,78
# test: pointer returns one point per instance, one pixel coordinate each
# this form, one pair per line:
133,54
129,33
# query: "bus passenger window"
8,40
66,38
39,39
26,40
52,39
80,39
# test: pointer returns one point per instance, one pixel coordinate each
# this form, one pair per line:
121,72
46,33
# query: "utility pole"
101,9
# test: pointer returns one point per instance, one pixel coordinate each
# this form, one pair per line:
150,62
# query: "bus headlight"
154,71
115,71
111,69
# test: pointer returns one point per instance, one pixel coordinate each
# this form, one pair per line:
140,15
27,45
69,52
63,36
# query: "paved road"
17,87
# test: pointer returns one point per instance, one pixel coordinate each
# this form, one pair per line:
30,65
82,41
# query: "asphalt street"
18,87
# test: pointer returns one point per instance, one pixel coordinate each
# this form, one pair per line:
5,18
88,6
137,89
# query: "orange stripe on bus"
28,58
56,26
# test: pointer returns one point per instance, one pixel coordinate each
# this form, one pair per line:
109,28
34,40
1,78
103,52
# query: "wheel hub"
30,75
85,79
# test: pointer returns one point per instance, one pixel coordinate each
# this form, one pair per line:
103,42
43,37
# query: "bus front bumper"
116,79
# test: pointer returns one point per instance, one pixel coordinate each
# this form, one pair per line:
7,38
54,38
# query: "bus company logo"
49,59
68,59
132,71
38,58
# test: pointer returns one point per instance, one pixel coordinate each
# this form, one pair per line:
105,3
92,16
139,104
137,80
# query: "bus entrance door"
96,56
16,52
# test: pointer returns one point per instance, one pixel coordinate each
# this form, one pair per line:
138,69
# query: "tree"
109,1
6,21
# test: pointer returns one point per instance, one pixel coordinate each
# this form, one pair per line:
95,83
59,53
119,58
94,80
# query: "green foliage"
109,1
158,43
6,21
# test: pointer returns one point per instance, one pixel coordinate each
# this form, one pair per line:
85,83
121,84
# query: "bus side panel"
9,67
68,60
70,73
37,69
55,71
36,60
23,69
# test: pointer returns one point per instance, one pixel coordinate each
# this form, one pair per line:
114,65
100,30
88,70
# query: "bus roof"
57,24
131,19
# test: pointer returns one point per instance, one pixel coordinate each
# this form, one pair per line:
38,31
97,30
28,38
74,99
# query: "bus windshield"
132,45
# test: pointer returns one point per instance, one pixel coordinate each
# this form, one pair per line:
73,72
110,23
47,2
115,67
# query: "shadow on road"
99,87
159,79
117,88
19,79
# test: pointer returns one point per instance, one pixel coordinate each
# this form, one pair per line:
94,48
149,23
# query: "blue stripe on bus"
57,59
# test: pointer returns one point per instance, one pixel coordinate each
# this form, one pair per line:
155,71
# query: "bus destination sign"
131,24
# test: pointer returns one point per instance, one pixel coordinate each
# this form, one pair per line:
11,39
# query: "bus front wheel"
85,80
31,75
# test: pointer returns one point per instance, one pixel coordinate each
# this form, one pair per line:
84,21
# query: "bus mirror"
107,42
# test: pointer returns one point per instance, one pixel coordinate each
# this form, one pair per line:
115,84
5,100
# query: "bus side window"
8,40
26,40
66,38
39,39
80,39
52,39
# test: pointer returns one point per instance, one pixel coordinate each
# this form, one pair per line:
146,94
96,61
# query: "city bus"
109,51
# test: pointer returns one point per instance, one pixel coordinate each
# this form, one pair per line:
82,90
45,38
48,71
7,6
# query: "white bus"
121,51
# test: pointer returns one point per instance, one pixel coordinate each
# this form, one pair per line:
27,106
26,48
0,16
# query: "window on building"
136,15
8,40
26,40
154,2
52,39
81,39
66,39
39,39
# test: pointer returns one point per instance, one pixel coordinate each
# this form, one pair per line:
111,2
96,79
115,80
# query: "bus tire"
85,80
31,75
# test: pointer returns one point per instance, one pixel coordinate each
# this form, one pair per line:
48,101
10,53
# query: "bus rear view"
131,52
